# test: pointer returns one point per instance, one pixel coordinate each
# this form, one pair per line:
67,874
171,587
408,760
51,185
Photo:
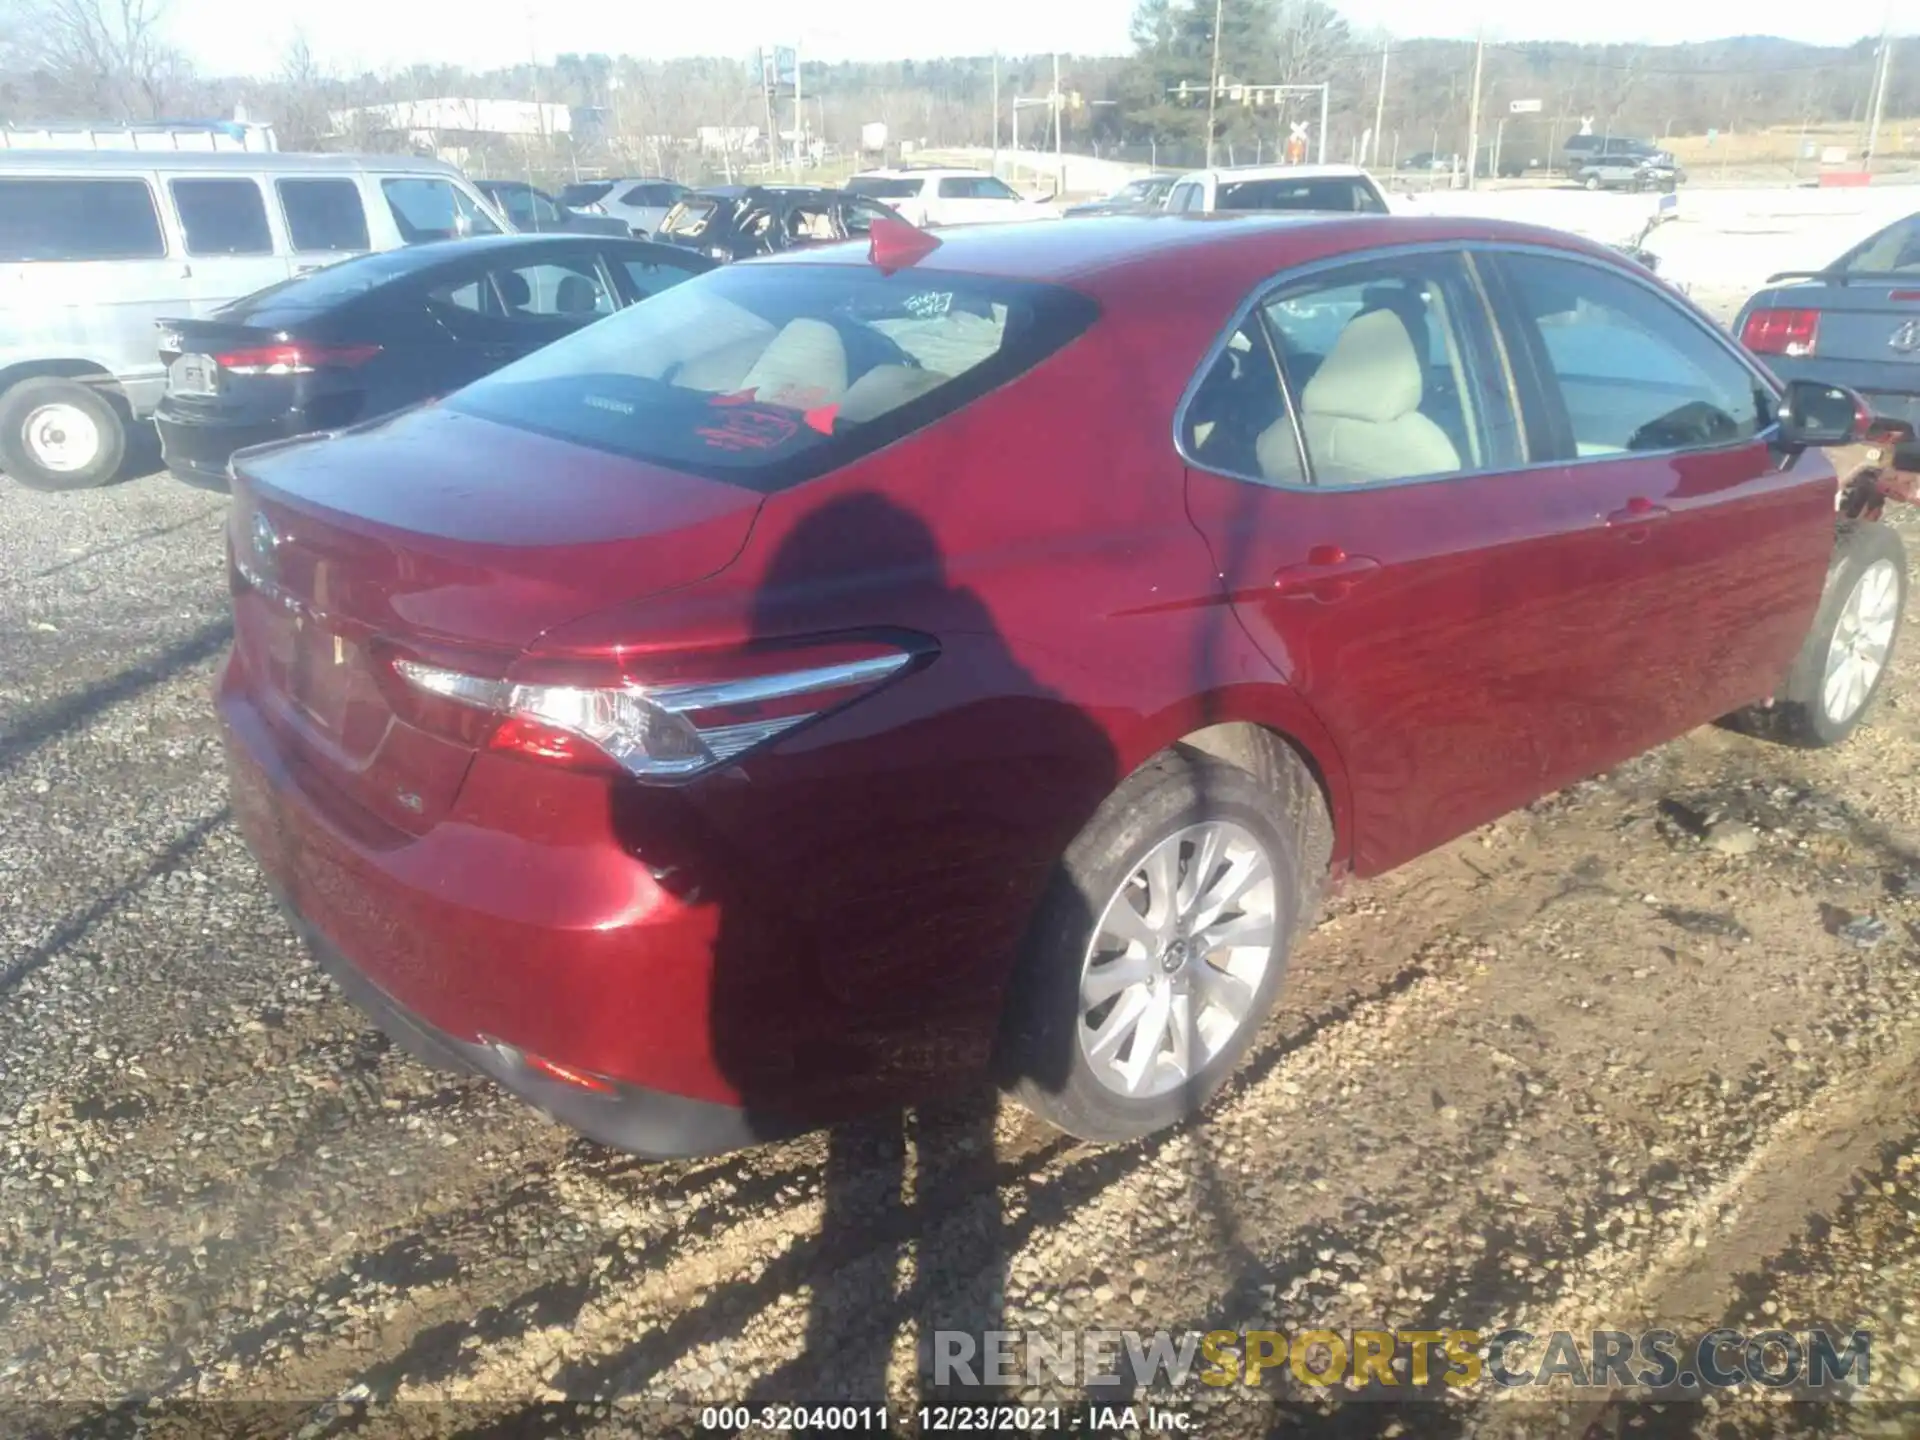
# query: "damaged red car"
849,674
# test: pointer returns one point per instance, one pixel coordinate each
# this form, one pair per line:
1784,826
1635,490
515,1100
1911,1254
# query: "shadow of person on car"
874,879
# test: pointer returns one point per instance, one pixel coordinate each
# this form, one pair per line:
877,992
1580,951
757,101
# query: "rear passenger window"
1631,370
324,215
222,217
60,219
1379,370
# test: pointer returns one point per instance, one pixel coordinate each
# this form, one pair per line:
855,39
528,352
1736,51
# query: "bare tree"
106,59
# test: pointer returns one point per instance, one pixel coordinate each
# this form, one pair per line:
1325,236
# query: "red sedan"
840,676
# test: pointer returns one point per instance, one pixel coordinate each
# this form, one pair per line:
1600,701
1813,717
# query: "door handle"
1634,516
1327,575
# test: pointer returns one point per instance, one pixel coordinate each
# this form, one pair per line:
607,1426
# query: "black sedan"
736,222
378,333
534,212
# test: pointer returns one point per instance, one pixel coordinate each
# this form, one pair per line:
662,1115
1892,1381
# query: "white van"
96,246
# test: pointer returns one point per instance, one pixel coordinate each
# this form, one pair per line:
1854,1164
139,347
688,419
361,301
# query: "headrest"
1371,374
514,290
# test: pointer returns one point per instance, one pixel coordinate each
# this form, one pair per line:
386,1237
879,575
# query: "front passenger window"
1633,372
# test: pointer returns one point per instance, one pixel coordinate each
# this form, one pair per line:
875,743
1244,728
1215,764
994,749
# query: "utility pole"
1213,85
1879,98
1380,105
1059,164
996,112
1473,114
799,119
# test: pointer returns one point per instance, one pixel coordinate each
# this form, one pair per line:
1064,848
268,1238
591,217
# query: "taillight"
663,732
1781,332
294,359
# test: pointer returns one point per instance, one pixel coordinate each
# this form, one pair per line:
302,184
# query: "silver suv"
641,201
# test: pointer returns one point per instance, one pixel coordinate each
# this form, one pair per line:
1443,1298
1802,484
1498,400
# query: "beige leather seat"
1360,413
804,366
887,387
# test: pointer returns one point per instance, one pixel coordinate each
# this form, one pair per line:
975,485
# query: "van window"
58,219
222,217
431,209
324,215
1336,194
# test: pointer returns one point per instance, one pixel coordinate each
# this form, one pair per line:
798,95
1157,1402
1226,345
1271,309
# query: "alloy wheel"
1177,958
1862,638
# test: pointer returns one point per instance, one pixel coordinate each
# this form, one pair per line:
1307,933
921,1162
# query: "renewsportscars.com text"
1391,1362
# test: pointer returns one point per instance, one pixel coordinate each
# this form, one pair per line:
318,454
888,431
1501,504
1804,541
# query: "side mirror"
1815,414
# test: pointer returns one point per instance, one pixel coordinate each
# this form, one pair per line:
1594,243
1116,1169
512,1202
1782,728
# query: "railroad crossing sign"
1299,131
1586,124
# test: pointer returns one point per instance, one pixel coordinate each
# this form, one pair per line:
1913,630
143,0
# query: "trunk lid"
453,540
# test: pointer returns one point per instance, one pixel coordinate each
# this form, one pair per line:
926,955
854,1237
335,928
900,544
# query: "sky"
250,36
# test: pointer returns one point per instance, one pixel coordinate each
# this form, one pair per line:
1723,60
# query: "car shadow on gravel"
21,737
864,901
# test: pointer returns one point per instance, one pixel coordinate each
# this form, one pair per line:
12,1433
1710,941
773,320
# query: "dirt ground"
1648,1050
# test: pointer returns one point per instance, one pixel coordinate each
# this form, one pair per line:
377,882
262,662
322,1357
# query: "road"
1582,1067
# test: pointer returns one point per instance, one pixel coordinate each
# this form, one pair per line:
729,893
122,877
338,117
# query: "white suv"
950,197
1338,188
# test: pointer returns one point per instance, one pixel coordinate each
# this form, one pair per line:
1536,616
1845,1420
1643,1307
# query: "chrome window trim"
1467,248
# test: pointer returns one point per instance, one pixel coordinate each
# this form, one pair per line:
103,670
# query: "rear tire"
1844,661
1243,857
60,434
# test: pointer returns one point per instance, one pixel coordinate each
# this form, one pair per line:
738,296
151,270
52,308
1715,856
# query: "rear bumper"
644,1122
198,451
475,950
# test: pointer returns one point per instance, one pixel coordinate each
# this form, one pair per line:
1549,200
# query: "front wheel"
1844,661
1158,952
60,434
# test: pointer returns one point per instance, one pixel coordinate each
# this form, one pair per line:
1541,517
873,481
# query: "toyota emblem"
1906,339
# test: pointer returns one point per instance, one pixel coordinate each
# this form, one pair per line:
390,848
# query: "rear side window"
1337,194
649,196
1185,196
222,217
769,375
584,192
1632,371
324,215
1895,250
431,209
59,219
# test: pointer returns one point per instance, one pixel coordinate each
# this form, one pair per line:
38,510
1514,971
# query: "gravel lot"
1626,1054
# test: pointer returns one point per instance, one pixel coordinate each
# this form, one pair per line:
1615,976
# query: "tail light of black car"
296,358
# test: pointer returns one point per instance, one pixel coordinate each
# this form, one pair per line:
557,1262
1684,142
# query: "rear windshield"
880,188
321,289
767,375
1324,194
1894,251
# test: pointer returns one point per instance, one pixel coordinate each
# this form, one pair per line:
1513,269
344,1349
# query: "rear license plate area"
194,375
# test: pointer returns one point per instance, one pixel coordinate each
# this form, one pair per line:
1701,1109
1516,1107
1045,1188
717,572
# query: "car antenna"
893,243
